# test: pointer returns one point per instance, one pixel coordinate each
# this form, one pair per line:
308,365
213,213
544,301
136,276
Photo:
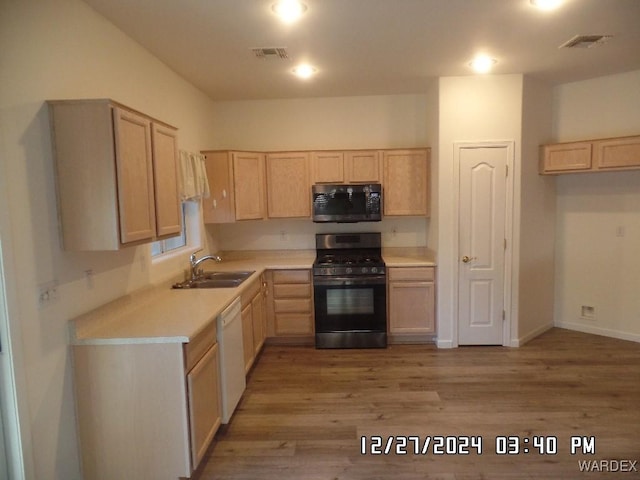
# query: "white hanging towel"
200,174
193,176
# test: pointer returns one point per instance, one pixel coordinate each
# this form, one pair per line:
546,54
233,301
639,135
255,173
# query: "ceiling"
374,47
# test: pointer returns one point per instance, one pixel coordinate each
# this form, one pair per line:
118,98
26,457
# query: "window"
189,236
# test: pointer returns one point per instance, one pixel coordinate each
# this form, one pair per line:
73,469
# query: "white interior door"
481,230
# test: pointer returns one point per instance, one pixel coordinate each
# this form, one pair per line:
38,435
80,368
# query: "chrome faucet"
194,263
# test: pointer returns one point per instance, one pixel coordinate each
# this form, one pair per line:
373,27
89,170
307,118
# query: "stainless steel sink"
241,275
216,280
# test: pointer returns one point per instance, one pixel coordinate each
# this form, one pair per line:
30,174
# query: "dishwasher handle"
230,313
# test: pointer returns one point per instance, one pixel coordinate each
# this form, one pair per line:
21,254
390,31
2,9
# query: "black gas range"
350,291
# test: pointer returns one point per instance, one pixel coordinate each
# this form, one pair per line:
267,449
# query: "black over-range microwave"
347,203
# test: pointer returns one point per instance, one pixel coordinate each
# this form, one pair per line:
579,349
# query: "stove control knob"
374,270
349,270
365,270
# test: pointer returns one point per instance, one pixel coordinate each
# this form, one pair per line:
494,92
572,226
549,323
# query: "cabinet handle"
224,193
215,203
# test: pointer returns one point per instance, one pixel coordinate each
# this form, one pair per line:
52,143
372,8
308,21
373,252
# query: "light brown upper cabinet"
363,166
116,174
617,153
327,167
566,157
237,186
608,154
288,185
164,143
220,206
406,182
351,166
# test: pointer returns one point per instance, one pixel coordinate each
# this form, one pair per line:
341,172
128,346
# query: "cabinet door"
248,185
617,153
165,179
247,337
220,206
327,167
288,185
363,166
204,404
566,157
406,182
411,307
134,176
257,319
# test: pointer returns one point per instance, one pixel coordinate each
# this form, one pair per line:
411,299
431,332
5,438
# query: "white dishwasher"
232,375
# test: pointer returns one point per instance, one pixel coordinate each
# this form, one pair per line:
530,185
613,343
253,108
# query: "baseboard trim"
445,343
605,332
518,342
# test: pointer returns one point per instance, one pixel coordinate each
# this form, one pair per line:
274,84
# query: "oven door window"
350,308
352,301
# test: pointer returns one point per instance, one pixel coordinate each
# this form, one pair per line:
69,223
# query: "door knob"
467,259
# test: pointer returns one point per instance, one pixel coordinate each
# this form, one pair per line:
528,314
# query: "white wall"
392,121
537,207
55,50
472,109
596,264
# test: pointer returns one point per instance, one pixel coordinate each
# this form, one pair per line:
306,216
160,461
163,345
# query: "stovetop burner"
348,254
348,259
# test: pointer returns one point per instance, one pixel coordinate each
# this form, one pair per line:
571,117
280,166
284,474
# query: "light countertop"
160,314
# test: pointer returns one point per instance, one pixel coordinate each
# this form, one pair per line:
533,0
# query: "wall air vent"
586,41
271,52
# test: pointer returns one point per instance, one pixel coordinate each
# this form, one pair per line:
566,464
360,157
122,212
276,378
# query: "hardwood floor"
305,412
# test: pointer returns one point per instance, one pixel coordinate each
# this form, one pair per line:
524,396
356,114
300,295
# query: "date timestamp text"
471,445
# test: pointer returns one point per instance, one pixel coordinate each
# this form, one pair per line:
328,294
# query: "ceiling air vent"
271,52
586,41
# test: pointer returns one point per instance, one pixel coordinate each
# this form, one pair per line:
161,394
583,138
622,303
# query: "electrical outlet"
587,312
88,275
47,293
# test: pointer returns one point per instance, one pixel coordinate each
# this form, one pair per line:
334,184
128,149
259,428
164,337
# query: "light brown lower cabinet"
146,411
290,313
204,403
411,304
253,321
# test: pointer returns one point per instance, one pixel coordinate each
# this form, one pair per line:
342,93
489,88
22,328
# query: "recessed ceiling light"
483,63
546,4
289,10
304,71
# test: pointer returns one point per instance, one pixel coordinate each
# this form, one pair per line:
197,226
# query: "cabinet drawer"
247,296
294,324
296,290
412,273
196,348
286,305
292,276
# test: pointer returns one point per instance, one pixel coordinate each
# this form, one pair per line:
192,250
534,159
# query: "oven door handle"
340,281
